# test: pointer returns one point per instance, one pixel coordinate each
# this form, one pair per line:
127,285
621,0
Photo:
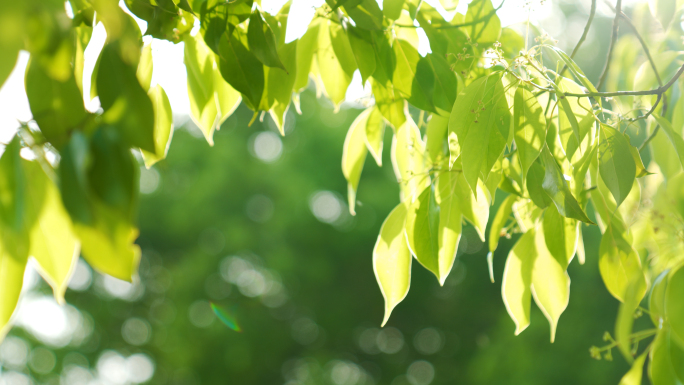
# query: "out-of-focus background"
259,224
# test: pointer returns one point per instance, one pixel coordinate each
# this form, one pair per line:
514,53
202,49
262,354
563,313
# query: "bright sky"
169,70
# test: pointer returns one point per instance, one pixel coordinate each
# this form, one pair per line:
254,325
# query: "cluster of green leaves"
467,120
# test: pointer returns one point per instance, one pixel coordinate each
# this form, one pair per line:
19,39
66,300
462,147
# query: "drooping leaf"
550,283
241,69
449,228
619,263
335,78
163,126
517,280
306,50
529,126
557,188
145,67
126,104
392,260
354,155
561,236
446,84
280,84
436,137
408,160
663,11
616,164
625,318
391,105
57,106
342,48
262,42
361,44
52,240
656,298
422,230
474,206
375,132
499,221
481,120
413,76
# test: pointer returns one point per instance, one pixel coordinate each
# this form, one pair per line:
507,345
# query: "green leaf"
228,99
392,260
663,11
635,373
449,5
7,62
83,34
574,68
422,231
163,126
550,284
125,102
392,8
446,84
361,45
334,75
529,126
674,306
489,30
475,207
241,69
675,138
354,155
561,236
262,42
517,280
408,160
616,163
641,170
280,84
619,263
375,132
534,184
306,49
342,48
481,120
567,110
73,168
52,240
391,106
145,67
557,188
14,239
436,137
499,221
449,228
660,369
656,299
56,106
366,14
575,122
413,76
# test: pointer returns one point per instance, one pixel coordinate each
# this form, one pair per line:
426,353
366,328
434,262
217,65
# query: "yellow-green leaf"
674,306
635,373
199,63
529,126
163,126
375,132
517,280
616,163
392,260
354,155
619,263
422,230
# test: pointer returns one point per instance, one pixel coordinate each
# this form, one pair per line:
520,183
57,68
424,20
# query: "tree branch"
657,91
584,35
613,39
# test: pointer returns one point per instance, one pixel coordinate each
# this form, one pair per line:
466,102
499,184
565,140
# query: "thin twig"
584,34
659,90
613,39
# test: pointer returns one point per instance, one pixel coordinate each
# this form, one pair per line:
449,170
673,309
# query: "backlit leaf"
241,69
413,76
262,42
163,126
422,230
674,306
616,164
517,280
619,263
561,235
499,221
529,126
392,260
557,188
354,155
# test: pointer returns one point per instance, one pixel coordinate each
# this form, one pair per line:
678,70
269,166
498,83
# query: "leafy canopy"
475,124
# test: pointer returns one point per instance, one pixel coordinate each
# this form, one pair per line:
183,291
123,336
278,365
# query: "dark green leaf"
241,69
262,42
616,164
